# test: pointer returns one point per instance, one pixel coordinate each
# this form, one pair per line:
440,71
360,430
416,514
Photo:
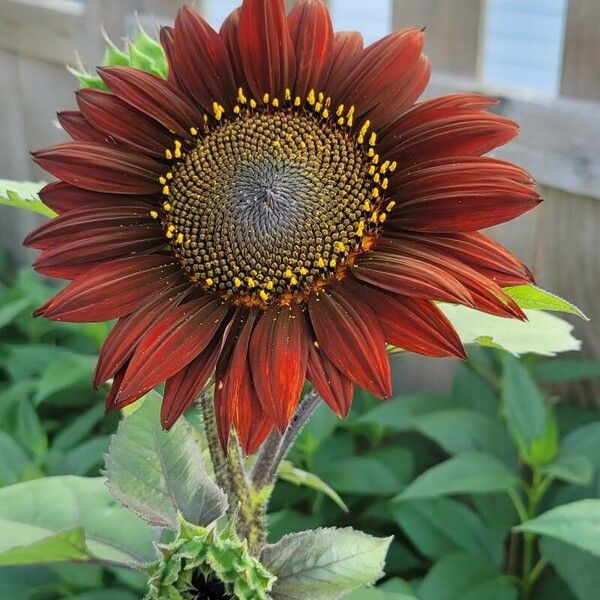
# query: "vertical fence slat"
581,62
453,35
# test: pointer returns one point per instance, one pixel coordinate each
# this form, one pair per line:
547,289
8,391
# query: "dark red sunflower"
277,210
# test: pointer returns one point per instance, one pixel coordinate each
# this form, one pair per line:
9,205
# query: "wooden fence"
559,143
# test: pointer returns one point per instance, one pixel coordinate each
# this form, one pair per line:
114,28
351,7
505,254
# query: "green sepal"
215,551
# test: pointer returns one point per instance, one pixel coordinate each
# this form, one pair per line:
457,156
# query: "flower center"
271,203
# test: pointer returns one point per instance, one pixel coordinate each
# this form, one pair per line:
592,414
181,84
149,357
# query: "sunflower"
278,209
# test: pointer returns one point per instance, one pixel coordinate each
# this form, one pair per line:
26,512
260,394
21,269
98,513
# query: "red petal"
125,335
153,96
278,356
312,37
329,382
266,48
114,389
172,344
347,50
75,124
79,224
380,73
76,257
433,130
236,400
349,334
167,41
230,35
183,388
201,61
111,290
476,250
487,295
410,277
124,123
413,324
101,168
62,197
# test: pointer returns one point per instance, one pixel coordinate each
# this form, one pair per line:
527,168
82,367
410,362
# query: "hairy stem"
217,456
265,471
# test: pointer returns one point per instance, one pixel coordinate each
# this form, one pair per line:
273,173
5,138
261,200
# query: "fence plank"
21,29
454,30
581,66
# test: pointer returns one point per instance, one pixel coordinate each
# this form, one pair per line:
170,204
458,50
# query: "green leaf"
13,460
577,524
369,594
29,429
530,296
288,472
442,526
149,47
529,420
23,195
463,577
78,429
565,370
578,569
10,310
542,334
468,473
106,594
324,564
398,414
459,430
83,458
69,519
355,475
159,474
577,470
583,441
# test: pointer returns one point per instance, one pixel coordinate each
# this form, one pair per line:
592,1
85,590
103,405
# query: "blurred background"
539,57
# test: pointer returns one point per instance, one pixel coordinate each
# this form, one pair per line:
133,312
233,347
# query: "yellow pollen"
339,247
297,101
167,206
390,205
166,190
266,98
385,166
393,166
373,139
318,107
360,230
367,205
251,283
237,282
341,121
253,103
372,170
321,263
162,180
371,152
375,192
154,214
169,175
178,152
193,131
218,110
288,273
351,116
311,97
293,280
236,109
169,234
264,296
376,179
365,128
361,139
326,113
241,96
269,285
375,217
168,154
333,263
288,94
340,111
180,238
376,159
275,102
303,271
385,183
382,217
171,228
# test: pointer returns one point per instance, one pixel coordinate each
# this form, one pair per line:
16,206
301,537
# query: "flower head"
277,209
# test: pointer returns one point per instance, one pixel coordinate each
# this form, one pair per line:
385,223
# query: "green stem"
217,456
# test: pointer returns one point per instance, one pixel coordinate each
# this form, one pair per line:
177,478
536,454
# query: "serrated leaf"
288,472
23,195
151,48
324,564
159,474
542,334
69,519
468,473
530,296
577,524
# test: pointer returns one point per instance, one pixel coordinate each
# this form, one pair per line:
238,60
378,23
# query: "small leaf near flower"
159,474
23,195
324,564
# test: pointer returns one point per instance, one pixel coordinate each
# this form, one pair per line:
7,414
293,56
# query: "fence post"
454,32
581,67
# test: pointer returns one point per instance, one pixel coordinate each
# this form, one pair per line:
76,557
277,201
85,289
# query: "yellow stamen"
193,131
264,296
154,214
